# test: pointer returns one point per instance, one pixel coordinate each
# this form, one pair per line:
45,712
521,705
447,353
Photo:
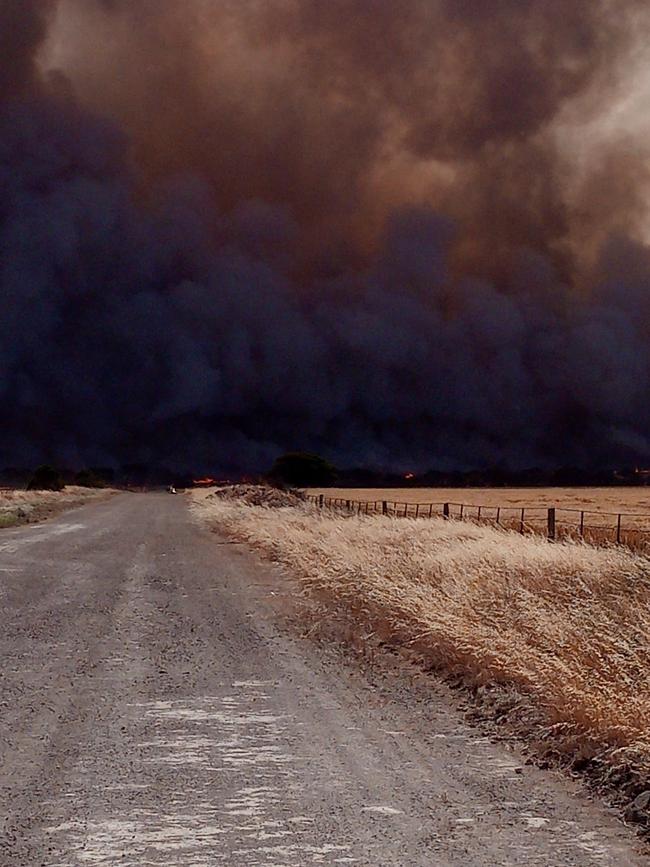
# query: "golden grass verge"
24,507
566,625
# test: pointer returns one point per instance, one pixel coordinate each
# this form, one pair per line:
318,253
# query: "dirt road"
152,712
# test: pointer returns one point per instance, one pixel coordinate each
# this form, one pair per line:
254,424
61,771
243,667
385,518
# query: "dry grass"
598,522
20,507
257,495
636,499
566,625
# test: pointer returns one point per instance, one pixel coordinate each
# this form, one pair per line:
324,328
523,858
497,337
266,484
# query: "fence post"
445,511
521,524
618,531
582,525
550,522
498,514
347,505
384,507
321,500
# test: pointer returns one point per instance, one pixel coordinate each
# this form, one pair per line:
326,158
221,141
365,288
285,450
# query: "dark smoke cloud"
23,25
348,226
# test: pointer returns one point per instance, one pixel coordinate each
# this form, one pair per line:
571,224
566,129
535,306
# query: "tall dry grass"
566,625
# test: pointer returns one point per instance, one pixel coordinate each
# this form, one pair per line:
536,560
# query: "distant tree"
89,479
46,478
136,474
303,470
106,474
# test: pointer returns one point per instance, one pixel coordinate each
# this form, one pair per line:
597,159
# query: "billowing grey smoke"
188,331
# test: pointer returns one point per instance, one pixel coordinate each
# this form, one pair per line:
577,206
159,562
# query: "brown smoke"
346,109
23,26
233,227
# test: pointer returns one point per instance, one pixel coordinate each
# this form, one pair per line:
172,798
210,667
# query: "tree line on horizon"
305,469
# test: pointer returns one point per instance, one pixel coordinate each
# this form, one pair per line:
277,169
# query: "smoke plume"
404,234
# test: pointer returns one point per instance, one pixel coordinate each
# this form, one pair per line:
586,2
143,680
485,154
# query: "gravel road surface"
154,712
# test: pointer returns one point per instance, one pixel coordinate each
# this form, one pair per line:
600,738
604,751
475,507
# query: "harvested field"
562,629
635,499
587,513
25,507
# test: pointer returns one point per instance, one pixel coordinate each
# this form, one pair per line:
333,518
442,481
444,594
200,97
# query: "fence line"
555,522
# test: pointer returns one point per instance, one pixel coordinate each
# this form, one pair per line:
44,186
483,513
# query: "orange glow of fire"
204,481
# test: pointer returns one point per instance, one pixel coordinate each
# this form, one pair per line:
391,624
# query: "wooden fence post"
618,530
347,505
550,523
521,524
445,511
384,507
321,500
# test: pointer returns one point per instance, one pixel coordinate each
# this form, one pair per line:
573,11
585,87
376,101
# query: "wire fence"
555,522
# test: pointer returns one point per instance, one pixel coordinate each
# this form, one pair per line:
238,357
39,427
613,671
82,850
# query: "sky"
406,235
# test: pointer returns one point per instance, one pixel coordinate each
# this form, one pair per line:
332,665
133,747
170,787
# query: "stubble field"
617,499
589,513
